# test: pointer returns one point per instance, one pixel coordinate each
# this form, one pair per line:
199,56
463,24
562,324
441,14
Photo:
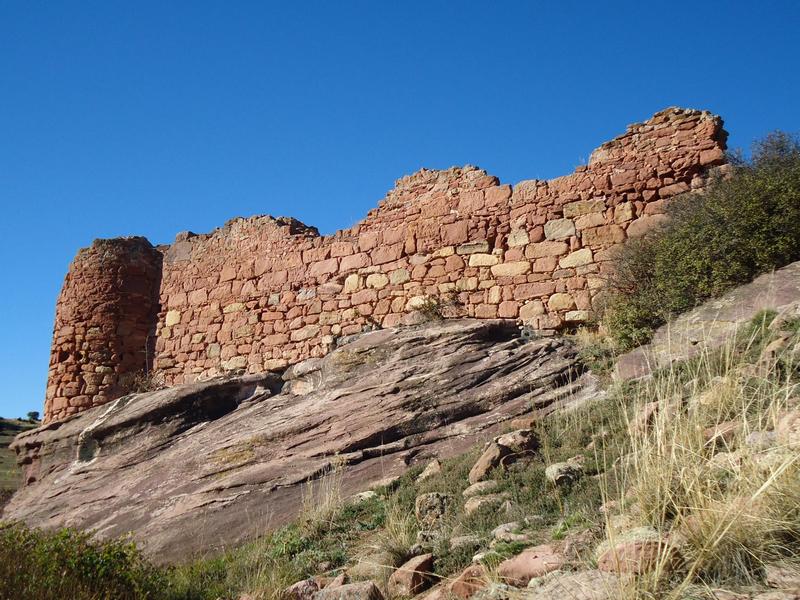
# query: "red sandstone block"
364,296
325,267
356,261
533,290
339,249
508,310
456,233
368,240
385,254
486,311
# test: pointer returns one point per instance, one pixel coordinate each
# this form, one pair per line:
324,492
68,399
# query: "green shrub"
740,227
68,564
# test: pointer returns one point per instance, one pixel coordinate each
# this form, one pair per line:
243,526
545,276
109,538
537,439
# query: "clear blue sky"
121,118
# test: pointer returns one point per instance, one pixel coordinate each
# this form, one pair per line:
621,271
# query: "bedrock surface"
193,468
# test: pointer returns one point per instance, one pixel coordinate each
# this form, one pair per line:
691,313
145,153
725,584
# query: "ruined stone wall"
262,293
105,314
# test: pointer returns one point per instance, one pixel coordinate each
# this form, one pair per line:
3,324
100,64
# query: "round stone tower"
105,321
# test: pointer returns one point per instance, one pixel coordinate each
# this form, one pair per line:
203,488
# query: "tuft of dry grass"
725,504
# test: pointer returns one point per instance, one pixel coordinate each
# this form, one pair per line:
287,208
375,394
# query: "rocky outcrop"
713,323
199,466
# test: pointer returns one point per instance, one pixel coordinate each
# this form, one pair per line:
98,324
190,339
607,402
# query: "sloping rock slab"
713,323
197,467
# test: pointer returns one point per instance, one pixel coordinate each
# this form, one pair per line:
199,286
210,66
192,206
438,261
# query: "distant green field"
9,473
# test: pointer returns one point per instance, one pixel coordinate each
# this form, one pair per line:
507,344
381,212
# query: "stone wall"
262,293
105,325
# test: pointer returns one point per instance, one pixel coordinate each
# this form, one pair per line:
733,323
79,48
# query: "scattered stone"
787,430
433,468
478,502
412,577
465,541
364,496
521,440
635,551
580,585
564,473
778,595
430,509
761,440
530,563
481,487
362,590
470,581
378,565
722,434
782,576
302,590
496,591
489,460
644,418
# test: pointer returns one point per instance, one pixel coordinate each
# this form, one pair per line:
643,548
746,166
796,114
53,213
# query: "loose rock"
530,563
412,577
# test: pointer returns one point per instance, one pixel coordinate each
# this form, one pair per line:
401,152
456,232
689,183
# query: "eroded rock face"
714,323
191,468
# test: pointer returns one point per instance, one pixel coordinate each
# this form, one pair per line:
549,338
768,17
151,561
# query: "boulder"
470,581
431,469
412,577
465,541
519,441
530,563
479,488
787,430
564,473
302,590
430,509
580,585
363,590
489,460
636,551
783,576
478,502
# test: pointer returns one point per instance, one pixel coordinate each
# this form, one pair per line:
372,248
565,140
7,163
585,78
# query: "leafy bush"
740,227
68,564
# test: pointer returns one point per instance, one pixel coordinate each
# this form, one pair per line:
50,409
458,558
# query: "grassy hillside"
700,462
9,473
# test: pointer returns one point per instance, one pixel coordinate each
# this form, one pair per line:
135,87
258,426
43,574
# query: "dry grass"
726,506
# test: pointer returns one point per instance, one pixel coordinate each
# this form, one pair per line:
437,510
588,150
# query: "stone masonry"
262,293
105,324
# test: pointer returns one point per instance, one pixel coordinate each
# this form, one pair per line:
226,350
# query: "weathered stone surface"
580,585
480,487
490,459
559,229
362,590
470,581
412,577
634,551
432,469
476,503
302,590
564,473
712,323
190,467
430,510
530,563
